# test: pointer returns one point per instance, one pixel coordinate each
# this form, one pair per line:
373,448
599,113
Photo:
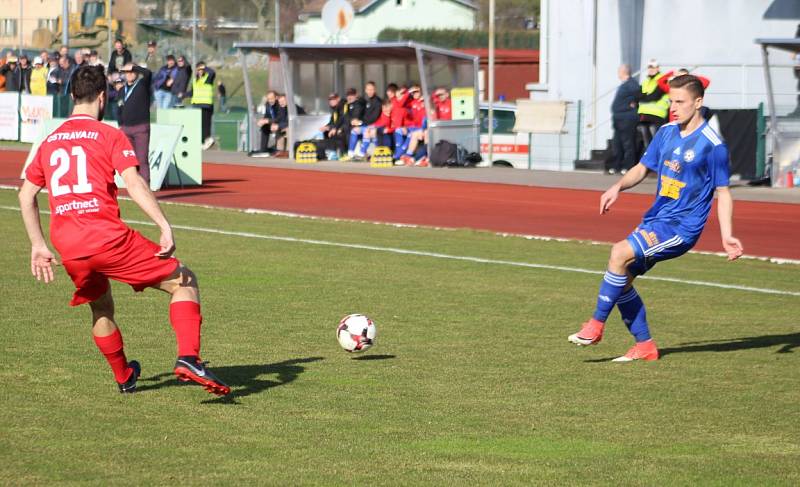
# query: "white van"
509,149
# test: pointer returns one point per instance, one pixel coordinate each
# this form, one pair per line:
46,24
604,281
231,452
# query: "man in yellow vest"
203,98
39,77
653,104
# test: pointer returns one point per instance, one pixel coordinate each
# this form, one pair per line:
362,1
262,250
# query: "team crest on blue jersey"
688,156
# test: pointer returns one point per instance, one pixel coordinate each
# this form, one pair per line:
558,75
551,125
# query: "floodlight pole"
110,30
491,80
64,23
194,32
277,22
19,53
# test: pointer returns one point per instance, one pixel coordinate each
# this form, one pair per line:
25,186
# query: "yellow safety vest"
202,92
39,81
658,108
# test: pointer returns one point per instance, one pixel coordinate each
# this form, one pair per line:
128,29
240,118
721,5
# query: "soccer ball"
356,333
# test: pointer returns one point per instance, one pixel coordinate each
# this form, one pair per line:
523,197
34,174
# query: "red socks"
186,319
111,346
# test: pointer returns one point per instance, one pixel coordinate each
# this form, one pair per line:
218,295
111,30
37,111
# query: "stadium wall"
582,48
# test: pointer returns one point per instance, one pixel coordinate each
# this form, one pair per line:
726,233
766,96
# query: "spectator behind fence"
624,117
18,74
653,104
163,82
222,93
151,59
39,77
52,74
80,59
63,51
119,58
134,112
370,107
203,98
182,79
94,59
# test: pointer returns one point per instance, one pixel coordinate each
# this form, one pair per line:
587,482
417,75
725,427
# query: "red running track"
766,229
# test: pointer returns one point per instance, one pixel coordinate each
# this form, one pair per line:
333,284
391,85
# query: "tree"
509,14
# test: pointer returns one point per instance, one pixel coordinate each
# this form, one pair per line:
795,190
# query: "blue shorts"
654,242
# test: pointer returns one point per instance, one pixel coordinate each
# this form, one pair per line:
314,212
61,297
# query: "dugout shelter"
783,127
310,72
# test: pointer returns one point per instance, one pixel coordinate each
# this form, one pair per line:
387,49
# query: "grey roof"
378,52
791,44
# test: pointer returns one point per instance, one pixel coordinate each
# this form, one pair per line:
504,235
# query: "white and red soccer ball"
356,333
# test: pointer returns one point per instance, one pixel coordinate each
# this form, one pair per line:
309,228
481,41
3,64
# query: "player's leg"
108,339
615,280
186,320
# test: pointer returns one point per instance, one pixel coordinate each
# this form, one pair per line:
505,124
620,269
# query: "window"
49,24
503,121
8,27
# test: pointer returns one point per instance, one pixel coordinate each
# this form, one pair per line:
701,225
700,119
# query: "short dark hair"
88,82
690,83
392,86
170,56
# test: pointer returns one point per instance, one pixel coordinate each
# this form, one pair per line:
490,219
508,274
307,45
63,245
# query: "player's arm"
42,259
140,192
732,245
633,177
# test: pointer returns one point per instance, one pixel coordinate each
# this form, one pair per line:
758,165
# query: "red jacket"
444,109
385,122
399,104
415,114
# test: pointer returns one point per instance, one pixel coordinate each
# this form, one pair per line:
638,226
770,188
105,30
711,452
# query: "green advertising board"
187,165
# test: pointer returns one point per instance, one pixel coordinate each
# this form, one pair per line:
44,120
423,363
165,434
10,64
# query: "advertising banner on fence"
9,116
33,111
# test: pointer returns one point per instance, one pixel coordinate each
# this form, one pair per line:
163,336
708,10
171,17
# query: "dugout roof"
381,51
791,44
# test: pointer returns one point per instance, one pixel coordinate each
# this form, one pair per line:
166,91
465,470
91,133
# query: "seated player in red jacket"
412,122
442,104
380,132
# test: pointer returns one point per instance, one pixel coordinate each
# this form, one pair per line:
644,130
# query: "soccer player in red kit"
76,163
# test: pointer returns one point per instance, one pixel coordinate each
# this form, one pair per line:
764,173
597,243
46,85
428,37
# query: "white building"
372,16
584,41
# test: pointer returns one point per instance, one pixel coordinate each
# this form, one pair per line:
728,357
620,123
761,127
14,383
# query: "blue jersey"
689,169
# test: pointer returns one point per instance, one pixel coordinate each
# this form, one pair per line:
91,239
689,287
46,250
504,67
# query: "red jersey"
444,108
399,107
385,122
76,163
415,114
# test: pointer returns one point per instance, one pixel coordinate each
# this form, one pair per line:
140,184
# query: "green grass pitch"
472,381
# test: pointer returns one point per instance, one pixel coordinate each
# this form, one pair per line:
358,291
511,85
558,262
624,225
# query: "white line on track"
436,255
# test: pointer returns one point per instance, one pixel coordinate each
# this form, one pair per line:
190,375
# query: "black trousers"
624,144
647,130
207,113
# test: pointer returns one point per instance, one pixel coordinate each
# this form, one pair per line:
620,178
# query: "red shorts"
131,260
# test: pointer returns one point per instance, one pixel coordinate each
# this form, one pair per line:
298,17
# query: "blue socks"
610,291
634,315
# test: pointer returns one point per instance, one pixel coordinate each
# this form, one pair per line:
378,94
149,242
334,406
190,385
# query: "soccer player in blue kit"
691,162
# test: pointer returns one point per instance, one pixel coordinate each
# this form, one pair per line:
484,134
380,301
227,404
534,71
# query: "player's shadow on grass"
786,342
375,357
243,380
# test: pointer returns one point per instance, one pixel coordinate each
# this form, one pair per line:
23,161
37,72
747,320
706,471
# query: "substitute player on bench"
691,161
76,163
